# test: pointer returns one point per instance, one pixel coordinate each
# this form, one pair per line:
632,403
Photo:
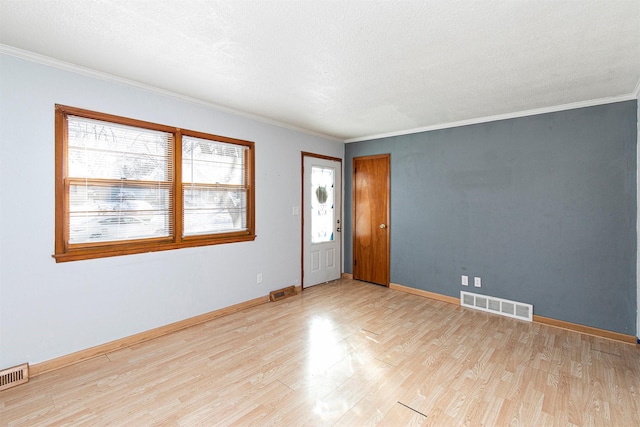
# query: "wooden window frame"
66,252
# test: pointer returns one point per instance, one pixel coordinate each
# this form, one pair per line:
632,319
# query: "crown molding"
74,68
553,109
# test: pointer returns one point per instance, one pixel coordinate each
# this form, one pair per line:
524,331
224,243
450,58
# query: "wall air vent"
517,310
13,376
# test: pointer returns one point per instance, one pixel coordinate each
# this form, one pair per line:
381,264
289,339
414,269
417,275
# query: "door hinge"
355,262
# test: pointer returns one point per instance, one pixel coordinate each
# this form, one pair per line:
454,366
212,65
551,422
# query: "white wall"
638,215
50,309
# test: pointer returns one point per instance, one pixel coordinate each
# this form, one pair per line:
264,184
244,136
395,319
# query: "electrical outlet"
295,210
465,280
259,278
477,282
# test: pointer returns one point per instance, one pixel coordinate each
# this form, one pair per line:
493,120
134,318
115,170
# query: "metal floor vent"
282,293
13,376
517,310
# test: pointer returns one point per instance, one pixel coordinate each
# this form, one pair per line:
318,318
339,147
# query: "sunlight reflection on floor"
325,348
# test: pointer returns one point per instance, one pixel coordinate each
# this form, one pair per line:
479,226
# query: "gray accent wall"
542,208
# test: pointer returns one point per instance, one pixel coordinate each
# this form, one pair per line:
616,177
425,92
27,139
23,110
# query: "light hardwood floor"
350,354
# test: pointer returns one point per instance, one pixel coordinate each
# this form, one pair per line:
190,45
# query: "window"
322,204
125,186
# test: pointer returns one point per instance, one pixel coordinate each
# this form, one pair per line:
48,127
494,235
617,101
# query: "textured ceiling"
348,69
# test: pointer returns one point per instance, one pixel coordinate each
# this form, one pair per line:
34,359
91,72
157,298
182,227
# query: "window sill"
129,249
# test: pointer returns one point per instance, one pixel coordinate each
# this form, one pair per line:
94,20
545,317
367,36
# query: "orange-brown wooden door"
371,219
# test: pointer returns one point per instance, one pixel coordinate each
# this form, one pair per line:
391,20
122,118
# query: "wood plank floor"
345,353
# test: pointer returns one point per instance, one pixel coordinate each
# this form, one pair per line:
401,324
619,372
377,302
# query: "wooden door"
371,219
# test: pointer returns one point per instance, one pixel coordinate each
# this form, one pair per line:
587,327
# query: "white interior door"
322,242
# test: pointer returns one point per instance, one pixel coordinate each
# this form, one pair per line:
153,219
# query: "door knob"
383,226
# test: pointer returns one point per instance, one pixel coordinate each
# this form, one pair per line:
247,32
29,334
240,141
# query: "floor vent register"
504,307
14,376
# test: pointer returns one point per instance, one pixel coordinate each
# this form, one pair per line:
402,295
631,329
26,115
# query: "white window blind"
214,184
118,182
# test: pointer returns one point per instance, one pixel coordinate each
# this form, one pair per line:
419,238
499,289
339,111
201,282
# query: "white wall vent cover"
517,310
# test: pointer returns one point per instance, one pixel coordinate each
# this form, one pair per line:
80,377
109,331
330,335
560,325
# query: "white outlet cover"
465,280
477,282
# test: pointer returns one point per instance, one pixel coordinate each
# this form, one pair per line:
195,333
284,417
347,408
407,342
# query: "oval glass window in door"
322,204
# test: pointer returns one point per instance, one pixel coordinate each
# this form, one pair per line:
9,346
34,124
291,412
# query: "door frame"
302,214
388,212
